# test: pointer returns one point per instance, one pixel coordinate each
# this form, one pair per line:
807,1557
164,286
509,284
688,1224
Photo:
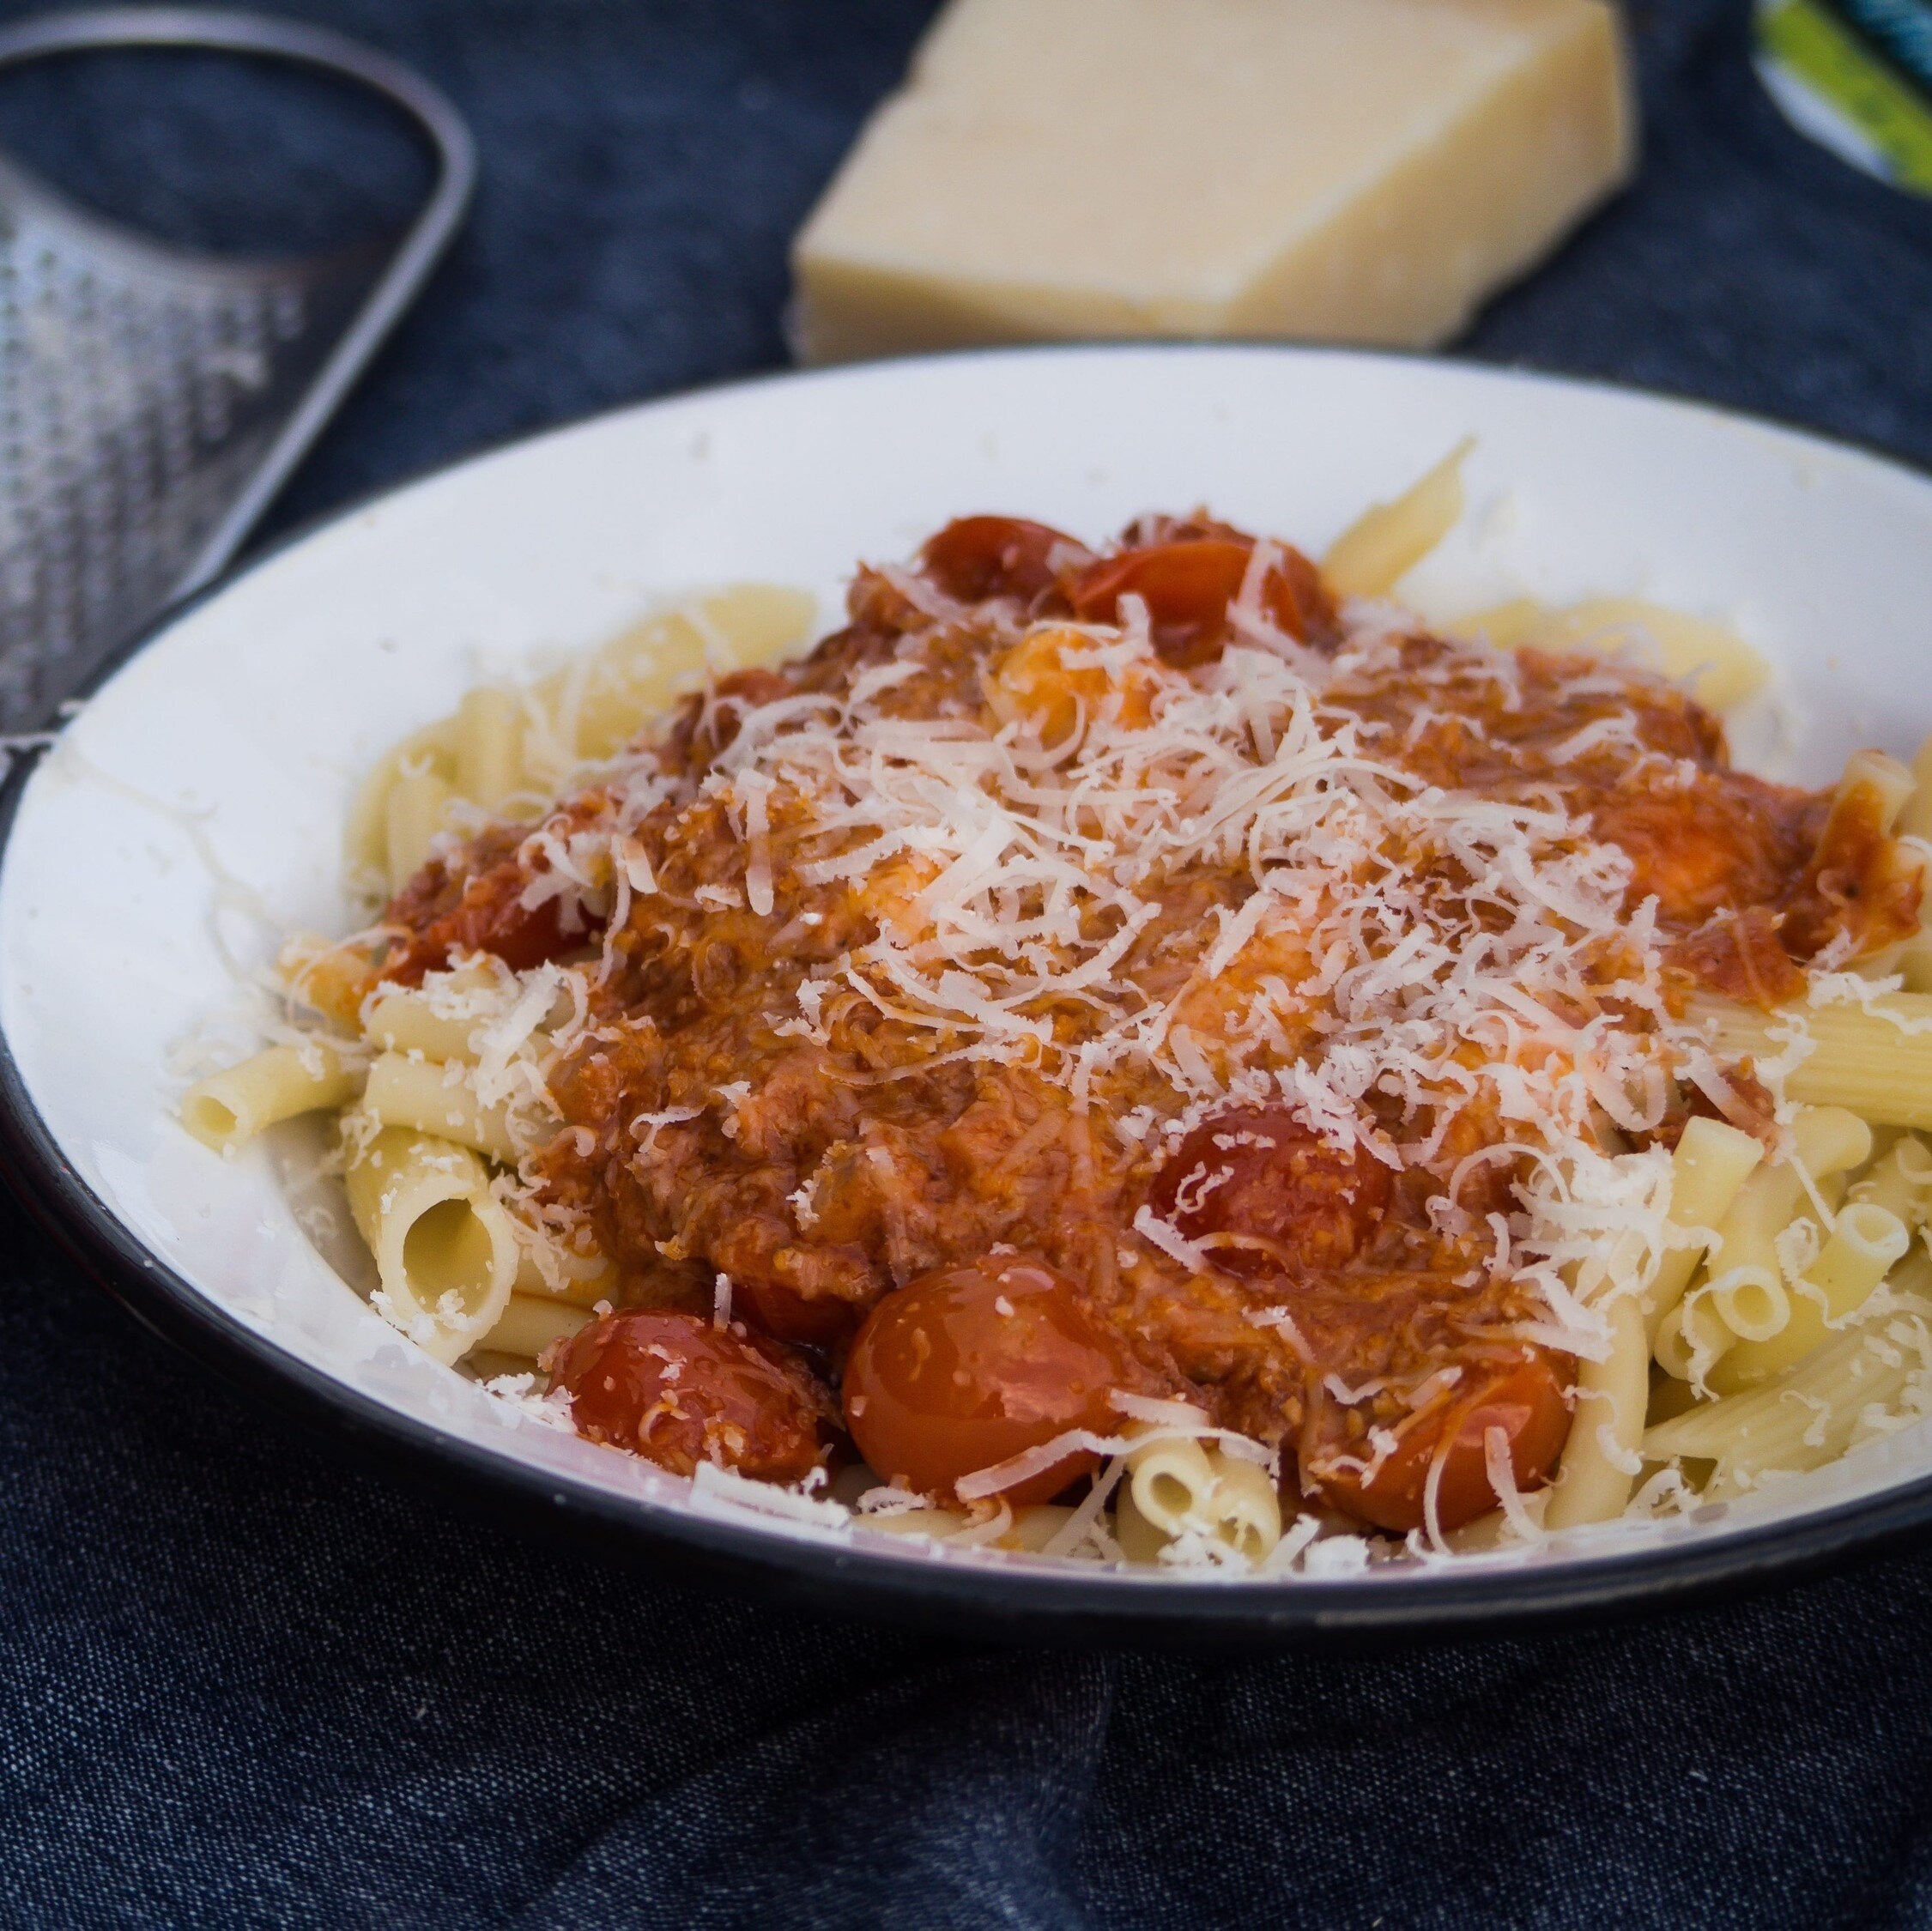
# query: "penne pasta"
408,1021
1751,1302
1172,1483
1721,669
1245,1507
1899,1181
597,1281
1507,626
366,837
1691,1338
1914,815
1877,786
1028,1530
935,1524
1034,1528
592,711
1140,1540
1178,1488
1744,1291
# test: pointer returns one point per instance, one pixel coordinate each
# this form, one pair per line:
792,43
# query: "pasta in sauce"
1130,1042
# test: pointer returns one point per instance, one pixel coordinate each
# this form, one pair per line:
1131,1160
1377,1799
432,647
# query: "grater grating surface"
154,399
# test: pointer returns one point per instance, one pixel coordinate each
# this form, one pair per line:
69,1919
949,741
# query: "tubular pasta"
445,1252
489,747
528,1325
1245,1506
403,1020
1600,1458
227,1108
415,811
1915,815
586,1290
1384,544
435,1098
1864,1244
1172,1482
1899,1181
1720,667
1747,1290
1811,1415
1878,1063
366,837
1140,1540
1691,1338
1711,1165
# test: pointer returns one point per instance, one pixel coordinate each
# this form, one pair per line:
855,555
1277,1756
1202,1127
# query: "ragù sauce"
1124,971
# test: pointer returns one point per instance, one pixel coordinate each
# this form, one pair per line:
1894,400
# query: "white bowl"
196,805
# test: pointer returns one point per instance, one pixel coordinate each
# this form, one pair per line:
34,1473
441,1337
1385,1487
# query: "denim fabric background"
243,1681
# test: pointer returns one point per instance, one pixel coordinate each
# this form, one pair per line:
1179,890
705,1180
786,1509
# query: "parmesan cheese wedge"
1347,170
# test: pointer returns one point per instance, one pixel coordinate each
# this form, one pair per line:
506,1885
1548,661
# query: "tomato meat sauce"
947,1262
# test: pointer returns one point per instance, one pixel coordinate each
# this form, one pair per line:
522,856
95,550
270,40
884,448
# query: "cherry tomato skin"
675,1389
1188,584
971,1365
978,557
771,1308
1526,1399
1261,1193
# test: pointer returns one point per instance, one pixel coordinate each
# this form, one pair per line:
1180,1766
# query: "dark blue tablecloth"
244,1680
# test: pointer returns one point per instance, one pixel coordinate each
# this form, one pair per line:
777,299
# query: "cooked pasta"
445,1252
1708,1169
228,1108
1874,1058
1383,545
1144,1054
1600,1454
529,1324
436,1097
1866,1381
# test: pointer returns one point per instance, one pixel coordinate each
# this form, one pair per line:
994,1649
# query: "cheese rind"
1344,170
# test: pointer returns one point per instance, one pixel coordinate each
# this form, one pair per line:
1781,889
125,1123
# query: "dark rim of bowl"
983,1599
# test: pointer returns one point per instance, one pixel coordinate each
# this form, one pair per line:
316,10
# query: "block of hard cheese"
1343,169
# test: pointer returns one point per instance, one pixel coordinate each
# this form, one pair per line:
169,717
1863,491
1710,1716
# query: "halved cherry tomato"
1526,1399
971,1365
1188,584
678,1390
976,557
1261,1193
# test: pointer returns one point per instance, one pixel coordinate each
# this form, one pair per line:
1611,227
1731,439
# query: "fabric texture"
246,1680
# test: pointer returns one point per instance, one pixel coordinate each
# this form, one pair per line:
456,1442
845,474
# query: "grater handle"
95,28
